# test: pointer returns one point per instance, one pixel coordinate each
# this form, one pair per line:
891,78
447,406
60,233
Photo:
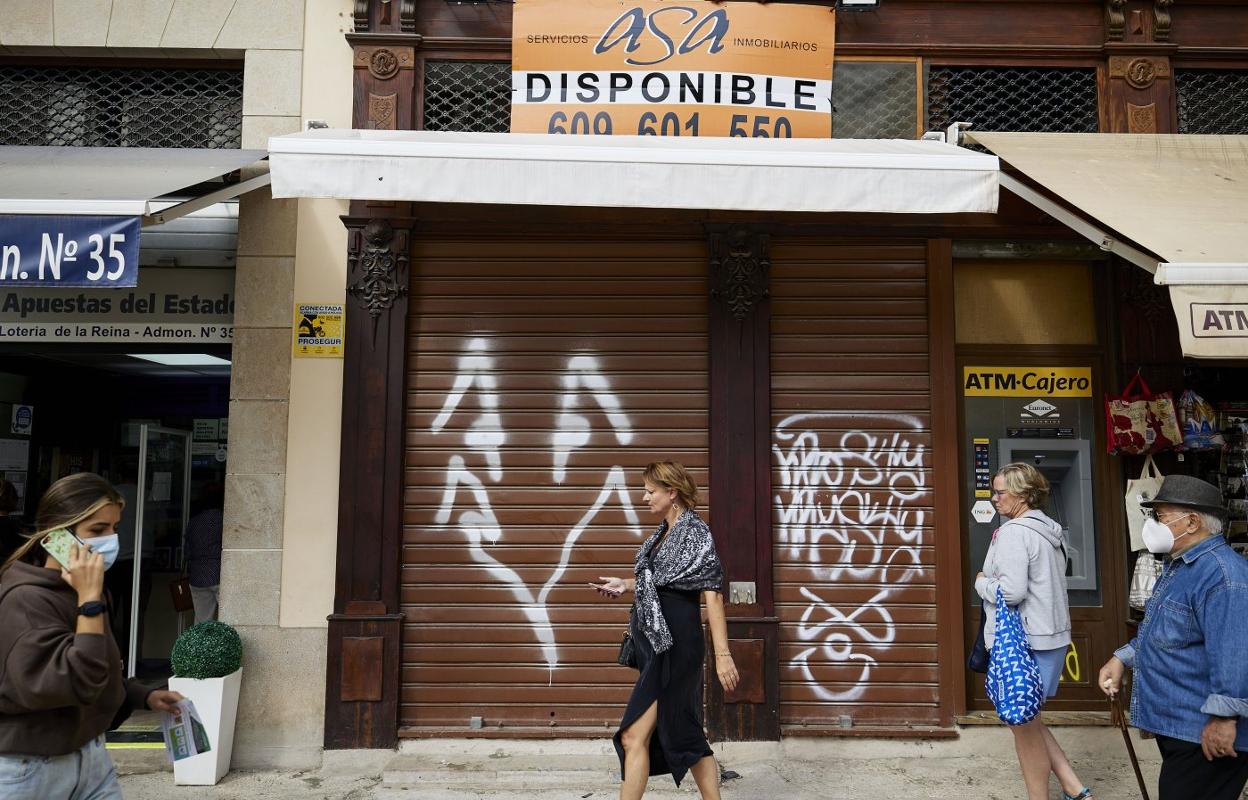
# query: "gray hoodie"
1026,560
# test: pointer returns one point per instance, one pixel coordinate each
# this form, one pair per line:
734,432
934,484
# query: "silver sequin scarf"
686,561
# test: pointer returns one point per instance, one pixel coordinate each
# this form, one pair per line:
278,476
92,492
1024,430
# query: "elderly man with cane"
1190,658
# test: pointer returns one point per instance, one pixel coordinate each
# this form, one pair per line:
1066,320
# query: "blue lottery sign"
89,252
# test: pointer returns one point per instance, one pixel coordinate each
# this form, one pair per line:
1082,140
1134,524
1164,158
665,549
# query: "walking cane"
1119,719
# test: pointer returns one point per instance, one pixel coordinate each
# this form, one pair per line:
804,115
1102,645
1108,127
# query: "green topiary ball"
208,650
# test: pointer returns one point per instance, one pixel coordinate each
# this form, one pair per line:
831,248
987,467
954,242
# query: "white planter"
216,700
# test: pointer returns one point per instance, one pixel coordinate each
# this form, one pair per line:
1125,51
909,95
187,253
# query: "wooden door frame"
943,376
739,343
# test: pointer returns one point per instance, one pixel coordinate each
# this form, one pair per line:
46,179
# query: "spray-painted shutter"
543,376
851,434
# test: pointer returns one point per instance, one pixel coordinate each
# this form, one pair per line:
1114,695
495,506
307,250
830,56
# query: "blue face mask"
107,546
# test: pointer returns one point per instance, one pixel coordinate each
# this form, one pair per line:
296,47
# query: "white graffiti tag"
486,435
847,505
481,526
486,432
572,430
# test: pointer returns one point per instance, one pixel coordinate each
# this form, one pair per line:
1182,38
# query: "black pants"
1187,775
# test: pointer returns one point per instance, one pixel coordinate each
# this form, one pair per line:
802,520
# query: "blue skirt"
1051,663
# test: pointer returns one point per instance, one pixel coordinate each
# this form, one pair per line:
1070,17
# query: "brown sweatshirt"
58,689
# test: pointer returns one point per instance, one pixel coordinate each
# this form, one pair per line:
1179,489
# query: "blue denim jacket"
1191,655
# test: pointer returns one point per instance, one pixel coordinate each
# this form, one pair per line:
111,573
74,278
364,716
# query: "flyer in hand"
184,731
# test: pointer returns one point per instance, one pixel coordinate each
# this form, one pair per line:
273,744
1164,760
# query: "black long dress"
674,679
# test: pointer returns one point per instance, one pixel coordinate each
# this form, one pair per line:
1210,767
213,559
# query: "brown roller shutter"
851,434
543,375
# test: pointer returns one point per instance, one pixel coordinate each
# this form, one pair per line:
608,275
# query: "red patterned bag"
1136,424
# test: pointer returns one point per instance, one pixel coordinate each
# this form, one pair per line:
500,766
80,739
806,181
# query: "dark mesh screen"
468,96
1212,100
1032,99
121,106
874,100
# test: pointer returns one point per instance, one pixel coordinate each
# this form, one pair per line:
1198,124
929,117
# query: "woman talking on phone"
662,727
61,681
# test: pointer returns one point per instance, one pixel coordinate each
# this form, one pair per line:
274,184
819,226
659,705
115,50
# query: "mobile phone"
58,544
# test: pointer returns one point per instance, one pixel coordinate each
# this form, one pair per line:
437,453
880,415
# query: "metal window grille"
468,96
1031,99
1212,100
121,106
874,100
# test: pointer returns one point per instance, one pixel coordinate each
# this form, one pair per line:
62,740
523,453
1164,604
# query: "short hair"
1027,482
8,497
672,475
1213,522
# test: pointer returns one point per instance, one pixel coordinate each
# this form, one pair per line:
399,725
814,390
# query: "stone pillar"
281,713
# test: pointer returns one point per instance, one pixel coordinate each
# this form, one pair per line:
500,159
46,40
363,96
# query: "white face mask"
1158,537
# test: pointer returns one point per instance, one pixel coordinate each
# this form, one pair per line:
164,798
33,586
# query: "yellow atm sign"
1027,381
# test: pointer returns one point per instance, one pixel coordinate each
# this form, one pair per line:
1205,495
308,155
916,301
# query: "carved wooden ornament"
1141,119
383,64
1141,73
739,267
1115,19
377,264
1161,20
382,111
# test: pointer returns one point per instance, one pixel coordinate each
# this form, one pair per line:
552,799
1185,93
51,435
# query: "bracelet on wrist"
723,655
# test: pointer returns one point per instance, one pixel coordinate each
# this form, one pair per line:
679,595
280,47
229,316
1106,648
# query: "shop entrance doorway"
153,422
163,499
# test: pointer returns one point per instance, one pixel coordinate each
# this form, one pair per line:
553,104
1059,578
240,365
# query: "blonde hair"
66,503
673,475
1027,482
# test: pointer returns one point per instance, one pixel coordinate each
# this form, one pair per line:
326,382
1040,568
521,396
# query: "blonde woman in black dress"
661,731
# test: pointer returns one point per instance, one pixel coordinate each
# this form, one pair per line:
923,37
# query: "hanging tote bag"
1140,489
1141,423
1014,684
1199,423
1144,579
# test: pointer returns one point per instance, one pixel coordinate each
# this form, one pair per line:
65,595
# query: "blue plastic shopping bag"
1014,684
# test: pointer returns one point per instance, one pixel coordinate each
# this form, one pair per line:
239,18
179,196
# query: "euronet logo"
1039,408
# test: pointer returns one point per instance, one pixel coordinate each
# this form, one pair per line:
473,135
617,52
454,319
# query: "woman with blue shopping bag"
1027,624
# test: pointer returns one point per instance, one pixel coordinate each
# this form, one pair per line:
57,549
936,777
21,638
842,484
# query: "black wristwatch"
93,608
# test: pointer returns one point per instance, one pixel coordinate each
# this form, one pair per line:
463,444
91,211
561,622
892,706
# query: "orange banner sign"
692,68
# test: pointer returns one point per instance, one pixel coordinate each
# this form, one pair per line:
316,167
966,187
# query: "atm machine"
1018,415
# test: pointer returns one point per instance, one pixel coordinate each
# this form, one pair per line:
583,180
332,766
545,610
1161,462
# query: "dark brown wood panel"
908,23
1213,24
852,484
542,377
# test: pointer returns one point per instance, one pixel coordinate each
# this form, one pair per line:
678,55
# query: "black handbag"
977,661
628,652
628,649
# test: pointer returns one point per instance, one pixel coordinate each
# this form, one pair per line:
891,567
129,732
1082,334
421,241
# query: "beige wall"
1024,302
315,425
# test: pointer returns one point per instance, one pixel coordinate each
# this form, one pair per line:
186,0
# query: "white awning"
1181,197
117,181
892,176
